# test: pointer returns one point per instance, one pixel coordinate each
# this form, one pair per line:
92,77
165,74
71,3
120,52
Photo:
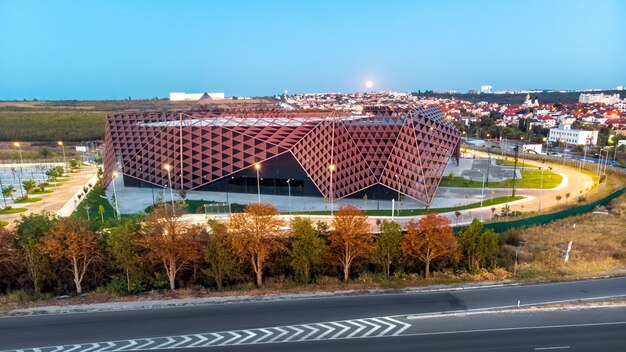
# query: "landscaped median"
412,212
530,179
11,210
3,223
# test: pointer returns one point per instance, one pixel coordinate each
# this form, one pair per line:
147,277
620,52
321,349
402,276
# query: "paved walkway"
53,202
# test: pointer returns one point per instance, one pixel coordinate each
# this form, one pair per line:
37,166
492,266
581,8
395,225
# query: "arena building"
379,153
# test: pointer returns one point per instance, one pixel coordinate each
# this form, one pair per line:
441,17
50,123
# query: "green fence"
503,226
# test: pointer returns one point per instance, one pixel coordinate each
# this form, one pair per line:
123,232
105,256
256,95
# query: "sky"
145,49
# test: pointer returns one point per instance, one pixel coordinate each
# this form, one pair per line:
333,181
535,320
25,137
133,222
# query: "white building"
599,98
486,89
565,133
182,96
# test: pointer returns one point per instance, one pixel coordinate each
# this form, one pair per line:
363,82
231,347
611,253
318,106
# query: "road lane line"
552,348
267,334
313,331
364,321
401,330
360,327
201,339
329,328
343,328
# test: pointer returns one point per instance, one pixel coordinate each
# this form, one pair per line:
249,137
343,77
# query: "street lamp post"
398,180
64,159
257,166
289,196
331,195
19,148
117,208
3,197
168,167
482,196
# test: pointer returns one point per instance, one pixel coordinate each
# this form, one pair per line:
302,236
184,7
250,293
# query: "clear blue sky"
115,49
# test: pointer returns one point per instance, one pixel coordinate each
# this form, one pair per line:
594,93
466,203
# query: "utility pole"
516,149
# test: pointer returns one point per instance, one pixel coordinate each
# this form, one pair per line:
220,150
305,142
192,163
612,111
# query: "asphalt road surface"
393,322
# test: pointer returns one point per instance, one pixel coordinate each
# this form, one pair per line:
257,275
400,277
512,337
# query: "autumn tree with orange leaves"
171,242
256,235
72,243
429,239
10,258
350,238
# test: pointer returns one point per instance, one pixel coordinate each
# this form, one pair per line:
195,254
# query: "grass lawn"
411,212
93,202
12,211
196,206
48,191
530,179
3,223
509,162
28,200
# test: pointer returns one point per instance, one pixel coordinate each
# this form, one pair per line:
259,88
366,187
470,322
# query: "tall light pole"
482,196
64,159
332,169
398,180
546,140
257,166
168,167
117,208
19,148
289,195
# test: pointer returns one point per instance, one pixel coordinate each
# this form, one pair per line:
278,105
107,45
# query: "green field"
3,223
530,179
93,201
51,125
411,212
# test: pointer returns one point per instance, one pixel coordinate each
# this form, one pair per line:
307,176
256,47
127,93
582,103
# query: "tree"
171,242
218,254
351,238
10,258
123,243
101,211
567,195
29,185
8,191
429,239
388,249
558,199
450,178
30,229
75,245
256,235
478,246
308,249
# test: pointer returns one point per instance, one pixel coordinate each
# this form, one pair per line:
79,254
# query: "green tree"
30,229
388,249
29,185
218,255
123,244
8,191
308,250
478,246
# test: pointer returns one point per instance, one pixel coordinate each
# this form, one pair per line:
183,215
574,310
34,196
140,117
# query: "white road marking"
343,328
552,348
169,341
201,339
235,337
376,327
183,341
283,332
329,328
401,330
298,332
313,331
267,333
250,335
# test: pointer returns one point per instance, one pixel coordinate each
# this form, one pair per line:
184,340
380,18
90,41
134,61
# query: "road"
336,323
53,202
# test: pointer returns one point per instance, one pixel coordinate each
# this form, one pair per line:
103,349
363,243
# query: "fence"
503,226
